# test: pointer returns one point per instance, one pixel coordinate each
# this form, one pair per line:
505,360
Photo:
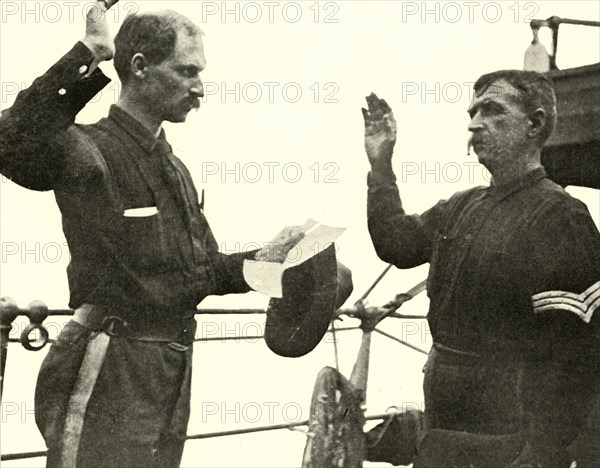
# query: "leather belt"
179,329
498,356
455,351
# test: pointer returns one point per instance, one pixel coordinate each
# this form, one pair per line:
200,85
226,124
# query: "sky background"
278,140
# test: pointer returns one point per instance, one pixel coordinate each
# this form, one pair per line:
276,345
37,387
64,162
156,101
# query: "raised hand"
97,36
380,131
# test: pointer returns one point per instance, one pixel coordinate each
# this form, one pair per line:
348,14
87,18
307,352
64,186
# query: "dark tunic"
491,250
99,171
151,270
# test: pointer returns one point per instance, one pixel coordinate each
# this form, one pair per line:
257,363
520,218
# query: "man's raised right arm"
30,131
401,239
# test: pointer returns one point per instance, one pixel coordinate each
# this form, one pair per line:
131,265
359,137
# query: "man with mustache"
514,282
114,389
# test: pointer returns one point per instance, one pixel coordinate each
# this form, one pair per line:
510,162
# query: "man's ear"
537,122
138,65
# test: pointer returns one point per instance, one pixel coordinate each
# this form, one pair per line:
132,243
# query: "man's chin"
482,154
485,160
177,118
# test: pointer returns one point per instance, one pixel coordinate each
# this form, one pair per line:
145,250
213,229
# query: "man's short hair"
534,91
152,34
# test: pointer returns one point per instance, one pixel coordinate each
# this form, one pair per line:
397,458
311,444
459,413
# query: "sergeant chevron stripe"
583,305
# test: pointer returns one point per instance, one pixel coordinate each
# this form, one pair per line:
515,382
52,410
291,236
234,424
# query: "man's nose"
198,89
475,123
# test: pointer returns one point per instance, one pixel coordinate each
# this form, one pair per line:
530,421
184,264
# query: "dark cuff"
234,264
50,105
79,89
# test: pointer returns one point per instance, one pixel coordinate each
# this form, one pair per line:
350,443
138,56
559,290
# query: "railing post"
8,313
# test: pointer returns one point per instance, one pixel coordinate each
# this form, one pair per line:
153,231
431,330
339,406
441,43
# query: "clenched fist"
97,36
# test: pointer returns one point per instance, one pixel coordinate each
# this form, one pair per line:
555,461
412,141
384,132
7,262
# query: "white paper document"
265,277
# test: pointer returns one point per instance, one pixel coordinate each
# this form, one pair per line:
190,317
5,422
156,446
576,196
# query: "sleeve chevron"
583,305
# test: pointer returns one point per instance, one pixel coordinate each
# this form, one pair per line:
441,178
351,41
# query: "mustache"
193,102
473,140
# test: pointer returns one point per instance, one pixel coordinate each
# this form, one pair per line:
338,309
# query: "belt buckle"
110,323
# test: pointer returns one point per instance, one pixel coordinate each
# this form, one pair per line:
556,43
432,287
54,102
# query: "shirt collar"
526,180
135,128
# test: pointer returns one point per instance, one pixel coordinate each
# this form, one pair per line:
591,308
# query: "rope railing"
401,341
37,312
207,435
212,338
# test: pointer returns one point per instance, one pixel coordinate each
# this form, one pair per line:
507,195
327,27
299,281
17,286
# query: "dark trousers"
464,394
472,418
107,452
138,411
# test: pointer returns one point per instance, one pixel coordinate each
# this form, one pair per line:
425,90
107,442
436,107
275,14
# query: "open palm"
380,130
